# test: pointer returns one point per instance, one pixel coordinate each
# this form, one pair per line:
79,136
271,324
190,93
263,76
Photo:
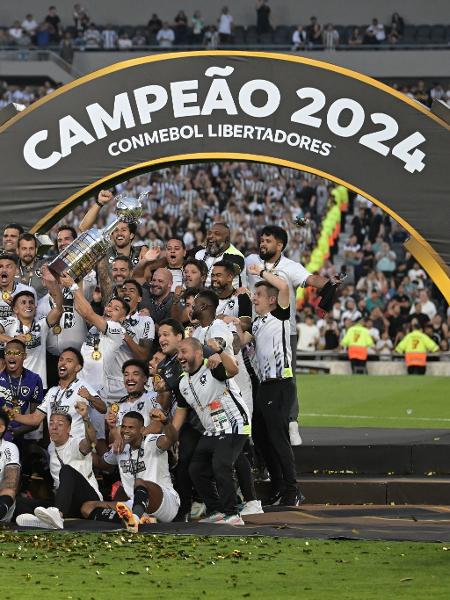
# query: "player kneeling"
144,472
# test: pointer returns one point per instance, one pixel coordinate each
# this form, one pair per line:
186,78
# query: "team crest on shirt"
69,393
24,390
203,379
231,303
140,405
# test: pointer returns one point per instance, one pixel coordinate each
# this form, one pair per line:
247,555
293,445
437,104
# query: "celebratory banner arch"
142,114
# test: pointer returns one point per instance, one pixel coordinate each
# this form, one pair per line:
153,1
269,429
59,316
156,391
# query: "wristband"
98,203
74,287
262,271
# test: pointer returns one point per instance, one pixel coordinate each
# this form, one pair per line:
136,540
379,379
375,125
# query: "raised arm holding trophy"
79,258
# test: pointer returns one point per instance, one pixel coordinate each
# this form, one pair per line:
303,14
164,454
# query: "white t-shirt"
139,328
143,405
428,308
63,400
225,23
219,329
69,454
177,277
107,344
73,326
5,308
293,272
9,455
36,347
308,337
147,462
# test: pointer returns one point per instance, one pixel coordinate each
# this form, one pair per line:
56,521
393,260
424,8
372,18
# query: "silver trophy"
80,257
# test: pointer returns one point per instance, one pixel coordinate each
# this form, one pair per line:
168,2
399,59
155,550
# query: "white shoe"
50,516
214,518
294,434
29,520
253,507
198,509
231,520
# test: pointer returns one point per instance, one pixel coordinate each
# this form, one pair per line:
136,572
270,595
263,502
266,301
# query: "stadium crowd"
27,94
169,371
84,33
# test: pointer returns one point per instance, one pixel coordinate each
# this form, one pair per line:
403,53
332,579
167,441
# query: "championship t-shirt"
143,405
69,454
147,462
73,326
98,349
62,400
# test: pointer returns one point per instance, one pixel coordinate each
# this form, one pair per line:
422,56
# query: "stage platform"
406,523
371,465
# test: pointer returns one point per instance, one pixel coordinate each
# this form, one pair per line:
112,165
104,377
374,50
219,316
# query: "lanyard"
31,273
15,392
134,467
274,265
59,398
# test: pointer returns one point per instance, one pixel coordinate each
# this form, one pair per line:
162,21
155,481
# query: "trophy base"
58,267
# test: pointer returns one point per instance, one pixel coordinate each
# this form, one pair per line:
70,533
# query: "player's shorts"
169,505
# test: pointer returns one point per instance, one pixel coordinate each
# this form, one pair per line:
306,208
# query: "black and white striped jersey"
273,356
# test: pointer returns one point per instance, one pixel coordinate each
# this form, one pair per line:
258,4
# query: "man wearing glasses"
20,393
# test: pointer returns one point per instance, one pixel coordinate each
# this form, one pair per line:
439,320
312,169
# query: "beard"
266,254
214,248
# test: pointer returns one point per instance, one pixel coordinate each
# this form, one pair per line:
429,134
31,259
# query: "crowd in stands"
384,283
27,94
85,33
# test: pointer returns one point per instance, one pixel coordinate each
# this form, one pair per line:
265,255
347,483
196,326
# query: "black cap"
9,256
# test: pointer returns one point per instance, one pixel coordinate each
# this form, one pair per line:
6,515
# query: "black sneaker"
292,499
273,500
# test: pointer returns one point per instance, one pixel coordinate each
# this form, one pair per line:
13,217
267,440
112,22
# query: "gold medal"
115,408
28,337
6,296
96,355
57,329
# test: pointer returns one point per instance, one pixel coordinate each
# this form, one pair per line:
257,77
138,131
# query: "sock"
5,504
141,500
104,514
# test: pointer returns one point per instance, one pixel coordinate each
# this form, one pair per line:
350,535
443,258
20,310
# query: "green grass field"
104,566
374,401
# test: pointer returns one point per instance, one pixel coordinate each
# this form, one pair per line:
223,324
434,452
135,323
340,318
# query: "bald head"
161,283
190,354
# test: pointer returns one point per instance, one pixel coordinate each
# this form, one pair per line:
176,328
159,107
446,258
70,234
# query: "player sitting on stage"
144,472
